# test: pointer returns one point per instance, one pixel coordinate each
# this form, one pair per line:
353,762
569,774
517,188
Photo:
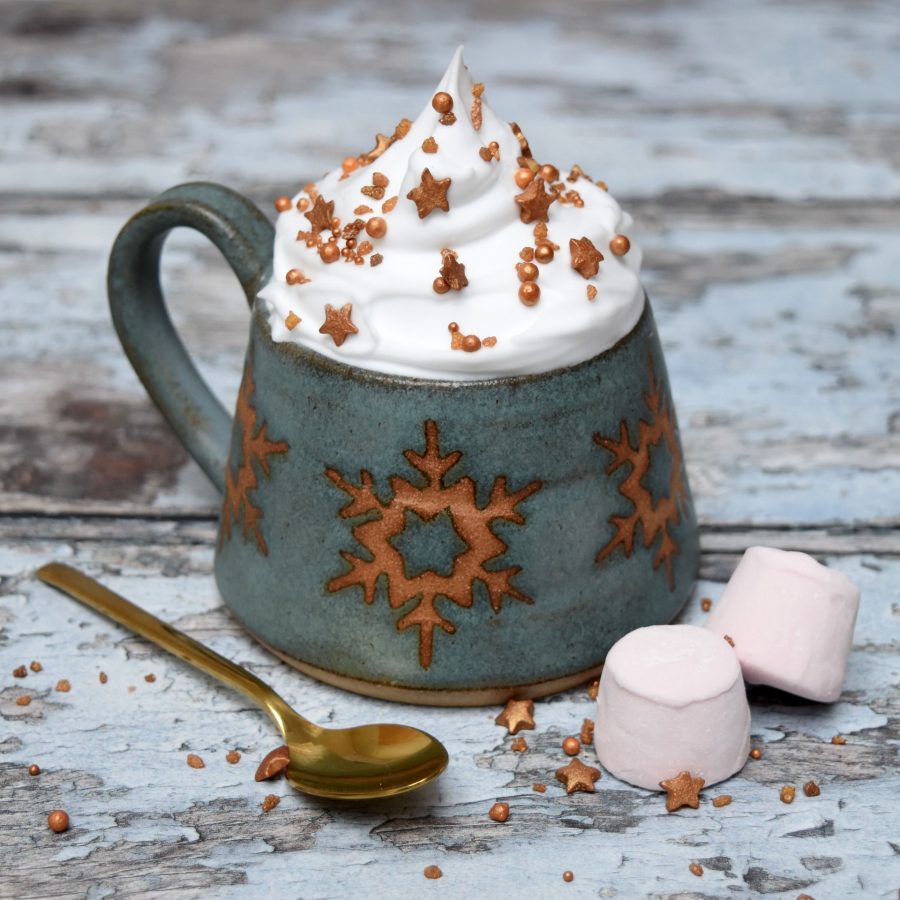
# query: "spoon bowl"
359,763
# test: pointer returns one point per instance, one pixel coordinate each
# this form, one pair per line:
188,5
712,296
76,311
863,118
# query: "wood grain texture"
757,146
143,822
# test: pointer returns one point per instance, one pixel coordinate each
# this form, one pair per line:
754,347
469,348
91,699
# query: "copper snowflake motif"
656,517
473,525
240,485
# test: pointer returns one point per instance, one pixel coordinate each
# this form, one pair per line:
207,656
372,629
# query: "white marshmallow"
671,699
791,620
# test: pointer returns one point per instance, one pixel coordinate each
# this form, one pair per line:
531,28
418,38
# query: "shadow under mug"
439,542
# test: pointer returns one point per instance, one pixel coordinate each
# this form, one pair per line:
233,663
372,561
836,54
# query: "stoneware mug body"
443,542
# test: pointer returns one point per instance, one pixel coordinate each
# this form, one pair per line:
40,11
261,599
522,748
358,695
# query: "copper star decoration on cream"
534,202
576,776
585,257
516,715
431,194
682,790
337,323
321,214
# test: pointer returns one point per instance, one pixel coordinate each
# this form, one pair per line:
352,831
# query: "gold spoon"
359,763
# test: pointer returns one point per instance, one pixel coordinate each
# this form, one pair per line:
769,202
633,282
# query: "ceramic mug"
442,542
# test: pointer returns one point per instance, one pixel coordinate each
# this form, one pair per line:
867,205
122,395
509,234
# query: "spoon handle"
90,592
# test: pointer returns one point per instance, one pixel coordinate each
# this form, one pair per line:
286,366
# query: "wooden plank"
143,822
781,349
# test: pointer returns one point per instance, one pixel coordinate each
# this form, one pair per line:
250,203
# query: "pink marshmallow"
791,620
671,699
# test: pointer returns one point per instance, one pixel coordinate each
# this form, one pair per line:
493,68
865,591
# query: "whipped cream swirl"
401,321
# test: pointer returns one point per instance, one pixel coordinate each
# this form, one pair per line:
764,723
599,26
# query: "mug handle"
245,238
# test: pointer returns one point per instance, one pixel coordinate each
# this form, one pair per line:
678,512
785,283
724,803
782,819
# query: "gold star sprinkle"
516,715
576,776
453,271
585,257
682,790
534,202
337,323
430,195
320,215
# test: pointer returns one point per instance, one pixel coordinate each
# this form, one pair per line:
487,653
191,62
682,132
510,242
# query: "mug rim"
343,370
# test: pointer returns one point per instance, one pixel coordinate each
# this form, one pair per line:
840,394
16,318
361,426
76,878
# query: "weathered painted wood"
757,147
144,822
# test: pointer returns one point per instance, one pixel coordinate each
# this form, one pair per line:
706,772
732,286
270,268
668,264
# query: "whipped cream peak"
460,256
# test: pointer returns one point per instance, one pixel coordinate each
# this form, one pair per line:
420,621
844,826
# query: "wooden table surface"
758,147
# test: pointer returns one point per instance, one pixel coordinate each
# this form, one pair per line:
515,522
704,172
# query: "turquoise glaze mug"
439,542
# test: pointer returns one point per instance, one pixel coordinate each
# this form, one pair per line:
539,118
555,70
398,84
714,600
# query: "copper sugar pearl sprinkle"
442,102
58,821
283,203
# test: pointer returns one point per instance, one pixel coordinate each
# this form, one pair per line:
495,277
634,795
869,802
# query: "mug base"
489,696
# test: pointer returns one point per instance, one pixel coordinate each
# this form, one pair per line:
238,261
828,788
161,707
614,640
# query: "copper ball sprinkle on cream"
283,203
58,821
543,253
529,293
376,227
350,164
499,812
442,102
524,177
619,245
471,343
440,287
549,173
329,252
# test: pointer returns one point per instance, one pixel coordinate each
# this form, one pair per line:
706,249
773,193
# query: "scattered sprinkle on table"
34,769
696,869
539,788
839,740
432,872
35,666
270,802
63,686
682,790
516,715
706,604
518,745
195,762
103,677
756,753
499,812
721,800
149,678
24,700
811,789
58,821
787,794
20,672
571,746
568,876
